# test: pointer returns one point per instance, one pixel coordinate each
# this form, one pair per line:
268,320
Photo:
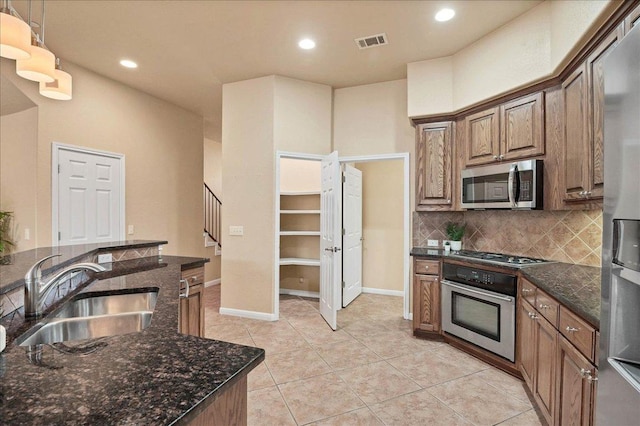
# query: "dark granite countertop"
12,276
157,376
575,286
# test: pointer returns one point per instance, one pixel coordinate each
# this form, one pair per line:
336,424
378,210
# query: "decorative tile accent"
134,253
564,236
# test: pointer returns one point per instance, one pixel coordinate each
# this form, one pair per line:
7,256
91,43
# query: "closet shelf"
299,261
300,233
299,211
301,193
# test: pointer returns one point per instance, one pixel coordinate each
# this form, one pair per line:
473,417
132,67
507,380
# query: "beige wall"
285,114
212,158
299,175
382,225
528,49
18,165
162,145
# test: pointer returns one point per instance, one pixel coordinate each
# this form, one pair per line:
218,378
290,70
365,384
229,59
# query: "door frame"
56,147
276,270
404,156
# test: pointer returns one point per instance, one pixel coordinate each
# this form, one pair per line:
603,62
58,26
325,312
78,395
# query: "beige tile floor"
371,371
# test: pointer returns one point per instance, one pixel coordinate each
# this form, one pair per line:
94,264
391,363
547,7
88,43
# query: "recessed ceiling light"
128,63
445,14
306,44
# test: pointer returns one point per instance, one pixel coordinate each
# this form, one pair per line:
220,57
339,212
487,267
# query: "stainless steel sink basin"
111,304
80,328
96,316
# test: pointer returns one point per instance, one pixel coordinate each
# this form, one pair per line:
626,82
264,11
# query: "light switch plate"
130,230
105,258
432,243
236,230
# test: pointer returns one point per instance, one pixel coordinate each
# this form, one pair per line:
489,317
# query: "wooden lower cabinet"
575,382
537,348
191,318
426,303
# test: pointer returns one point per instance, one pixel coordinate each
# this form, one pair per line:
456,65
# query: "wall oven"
479,306
503,186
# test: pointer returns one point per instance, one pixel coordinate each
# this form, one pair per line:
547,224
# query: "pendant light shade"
15,36
39,67
61,88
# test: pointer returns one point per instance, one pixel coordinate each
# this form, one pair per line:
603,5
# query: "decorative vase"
456,245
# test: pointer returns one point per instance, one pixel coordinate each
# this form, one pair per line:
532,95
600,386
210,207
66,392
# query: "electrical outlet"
27,234
432,243
236,230
130,229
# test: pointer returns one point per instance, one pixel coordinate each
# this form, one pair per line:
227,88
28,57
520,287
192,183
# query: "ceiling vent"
372,41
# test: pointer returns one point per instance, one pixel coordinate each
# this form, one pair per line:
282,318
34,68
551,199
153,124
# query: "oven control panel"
477,277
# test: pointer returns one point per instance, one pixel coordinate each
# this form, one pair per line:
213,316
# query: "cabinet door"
482,137
434,165
192,311
596,112
426,303
632,20
575,386
546,337
526,342
576,144
522,127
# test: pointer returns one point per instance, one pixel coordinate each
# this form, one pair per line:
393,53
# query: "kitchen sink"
93,316
110,304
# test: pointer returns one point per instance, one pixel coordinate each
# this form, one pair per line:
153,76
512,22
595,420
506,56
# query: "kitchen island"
157,376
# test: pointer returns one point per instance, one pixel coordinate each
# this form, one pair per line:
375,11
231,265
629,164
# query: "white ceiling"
187,49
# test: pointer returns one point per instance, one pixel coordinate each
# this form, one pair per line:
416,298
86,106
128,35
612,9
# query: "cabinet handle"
448,201
587,194
194,279
544,306
426,268
572,329
587,375
495,157
501,157
185,295
532,316
527,290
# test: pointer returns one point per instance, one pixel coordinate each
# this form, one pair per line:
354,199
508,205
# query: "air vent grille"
372,41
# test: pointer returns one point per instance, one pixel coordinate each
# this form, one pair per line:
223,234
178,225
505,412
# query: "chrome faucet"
36,291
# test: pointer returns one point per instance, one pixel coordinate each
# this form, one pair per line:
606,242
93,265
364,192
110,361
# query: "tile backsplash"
564,236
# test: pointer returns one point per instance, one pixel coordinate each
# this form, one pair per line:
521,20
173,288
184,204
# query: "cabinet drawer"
528,291
547,307
578,332
427,267
194,276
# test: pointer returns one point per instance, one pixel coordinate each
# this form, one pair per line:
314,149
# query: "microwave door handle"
513,176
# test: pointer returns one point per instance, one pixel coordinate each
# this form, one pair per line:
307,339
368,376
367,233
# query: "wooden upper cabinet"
595,71
521,127
434,166
632,20
576,136
482,133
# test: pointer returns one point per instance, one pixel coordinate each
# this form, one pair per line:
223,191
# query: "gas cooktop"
499,259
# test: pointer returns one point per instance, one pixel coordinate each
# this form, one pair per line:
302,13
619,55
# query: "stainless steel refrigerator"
618,394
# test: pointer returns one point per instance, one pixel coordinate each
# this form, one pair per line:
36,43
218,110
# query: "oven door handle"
492,296
513,187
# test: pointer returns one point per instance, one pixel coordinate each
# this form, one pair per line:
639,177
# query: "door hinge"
343,284
59,235
344,178
343,231
58,168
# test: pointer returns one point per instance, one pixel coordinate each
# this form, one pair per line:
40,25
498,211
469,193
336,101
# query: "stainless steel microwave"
503,186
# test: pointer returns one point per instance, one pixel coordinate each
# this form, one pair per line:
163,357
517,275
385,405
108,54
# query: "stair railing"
212,217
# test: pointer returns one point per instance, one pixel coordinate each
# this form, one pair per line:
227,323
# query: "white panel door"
330,239
352,238
89,207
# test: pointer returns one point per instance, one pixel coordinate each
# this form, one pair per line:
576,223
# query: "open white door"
352,238
330,239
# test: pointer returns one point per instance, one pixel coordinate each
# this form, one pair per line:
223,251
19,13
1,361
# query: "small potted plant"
447,247
5,240
455,232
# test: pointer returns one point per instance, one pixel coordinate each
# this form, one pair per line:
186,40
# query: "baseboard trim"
263,316
371,290
300,293
217,281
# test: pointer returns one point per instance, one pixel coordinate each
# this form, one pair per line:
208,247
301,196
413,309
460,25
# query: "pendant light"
41,65
61,88
15,35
